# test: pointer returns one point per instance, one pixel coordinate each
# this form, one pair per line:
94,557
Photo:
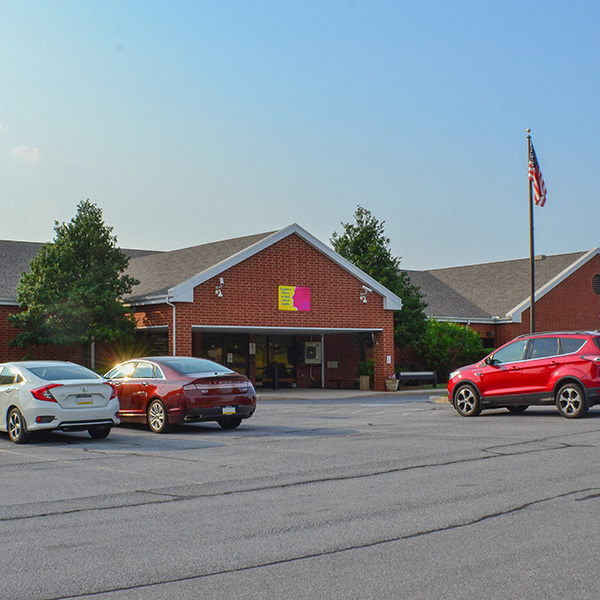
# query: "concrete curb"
330,394
439,399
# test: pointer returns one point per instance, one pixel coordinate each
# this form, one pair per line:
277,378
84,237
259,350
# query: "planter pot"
364,382
391,385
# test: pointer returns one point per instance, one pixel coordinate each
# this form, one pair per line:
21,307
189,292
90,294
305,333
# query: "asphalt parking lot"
364,496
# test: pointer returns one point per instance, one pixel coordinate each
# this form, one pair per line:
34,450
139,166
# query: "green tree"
365,245
73,291
447,346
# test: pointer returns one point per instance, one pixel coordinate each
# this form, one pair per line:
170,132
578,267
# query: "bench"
417,376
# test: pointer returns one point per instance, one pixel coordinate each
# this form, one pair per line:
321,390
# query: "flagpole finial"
528,130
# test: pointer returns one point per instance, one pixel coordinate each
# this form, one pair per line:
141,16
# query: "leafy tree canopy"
73,291
365,245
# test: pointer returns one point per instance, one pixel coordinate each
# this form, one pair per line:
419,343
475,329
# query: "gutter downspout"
322,361
174,326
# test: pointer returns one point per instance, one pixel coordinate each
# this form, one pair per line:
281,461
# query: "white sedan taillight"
44,393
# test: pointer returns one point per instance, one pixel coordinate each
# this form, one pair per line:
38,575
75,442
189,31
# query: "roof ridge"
514,260
226,241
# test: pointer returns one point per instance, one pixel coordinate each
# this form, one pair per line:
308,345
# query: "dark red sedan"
169,390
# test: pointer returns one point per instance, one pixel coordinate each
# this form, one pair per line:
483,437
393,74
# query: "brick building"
494,298
281,307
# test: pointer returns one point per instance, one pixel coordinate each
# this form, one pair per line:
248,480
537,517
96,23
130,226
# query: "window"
63,372
544,347
144,370
511,353
188,365
9,376
570,345
225,349
121,372
275,354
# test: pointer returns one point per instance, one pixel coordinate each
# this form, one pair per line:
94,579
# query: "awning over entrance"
282,330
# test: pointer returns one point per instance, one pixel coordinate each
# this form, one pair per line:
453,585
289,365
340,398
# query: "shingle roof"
489,289
159,272
15,258
442,300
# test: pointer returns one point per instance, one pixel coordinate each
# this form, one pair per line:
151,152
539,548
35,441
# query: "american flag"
535,175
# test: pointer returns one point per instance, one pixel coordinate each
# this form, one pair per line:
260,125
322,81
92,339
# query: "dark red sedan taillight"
44,393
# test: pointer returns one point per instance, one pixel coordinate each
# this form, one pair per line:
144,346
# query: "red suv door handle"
514,368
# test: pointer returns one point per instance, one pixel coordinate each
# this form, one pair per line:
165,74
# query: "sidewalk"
435,395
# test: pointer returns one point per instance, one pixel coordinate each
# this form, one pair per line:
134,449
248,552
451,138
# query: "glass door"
275,358
228,350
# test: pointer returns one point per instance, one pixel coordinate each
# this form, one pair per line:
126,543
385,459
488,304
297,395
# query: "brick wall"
250,292
487,332
8,333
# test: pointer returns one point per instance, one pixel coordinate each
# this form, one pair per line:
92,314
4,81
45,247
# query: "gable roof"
159,274
174,275
493,291
15,258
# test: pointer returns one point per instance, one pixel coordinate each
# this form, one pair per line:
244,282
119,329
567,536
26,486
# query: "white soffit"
263,330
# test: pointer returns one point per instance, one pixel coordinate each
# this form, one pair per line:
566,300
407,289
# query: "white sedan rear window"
63,372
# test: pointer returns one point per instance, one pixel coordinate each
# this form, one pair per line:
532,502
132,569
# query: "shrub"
367,368
446,346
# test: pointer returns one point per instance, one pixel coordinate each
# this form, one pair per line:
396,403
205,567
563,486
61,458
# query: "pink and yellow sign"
295,298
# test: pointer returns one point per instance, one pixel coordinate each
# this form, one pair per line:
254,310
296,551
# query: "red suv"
561,368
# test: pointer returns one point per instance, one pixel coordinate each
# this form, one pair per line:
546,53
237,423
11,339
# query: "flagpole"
531,245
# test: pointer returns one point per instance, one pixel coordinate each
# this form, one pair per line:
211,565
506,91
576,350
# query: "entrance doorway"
226,349
275,360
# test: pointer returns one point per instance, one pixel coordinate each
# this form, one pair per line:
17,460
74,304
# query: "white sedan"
47,395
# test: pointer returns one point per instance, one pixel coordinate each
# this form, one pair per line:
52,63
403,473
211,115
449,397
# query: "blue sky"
194,121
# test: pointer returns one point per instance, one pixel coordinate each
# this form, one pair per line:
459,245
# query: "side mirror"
489,361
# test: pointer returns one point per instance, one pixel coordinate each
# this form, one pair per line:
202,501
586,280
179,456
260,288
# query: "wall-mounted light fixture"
363,294
218,288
